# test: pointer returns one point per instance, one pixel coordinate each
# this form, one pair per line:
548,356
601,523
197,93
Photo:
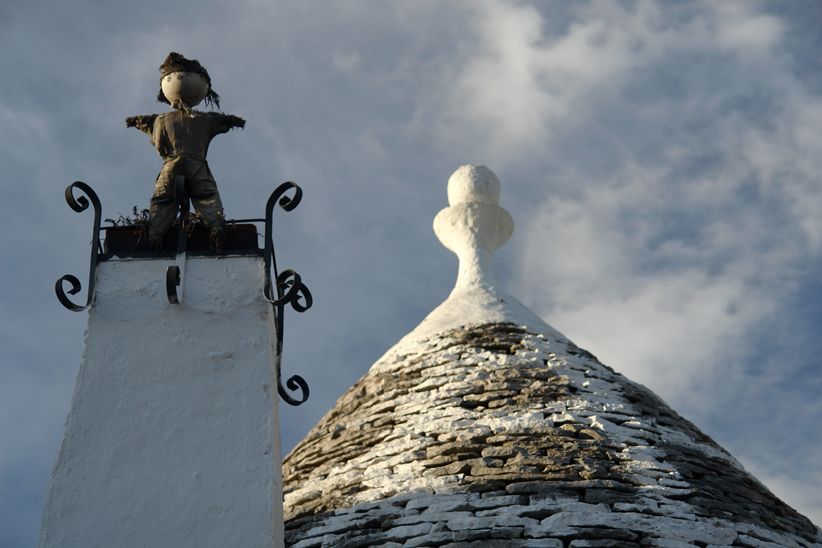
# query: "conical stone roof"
485,427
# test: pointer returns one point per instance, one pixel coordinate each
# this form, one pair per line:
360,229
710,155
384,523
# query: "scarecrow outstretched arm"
144,123
224,122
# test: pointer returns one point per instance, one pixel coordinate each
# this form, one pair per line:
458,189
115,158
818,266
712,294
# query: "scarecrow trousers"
200,189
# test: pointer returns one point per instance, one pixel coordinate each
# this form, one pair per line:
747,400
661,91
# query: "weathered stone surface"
507,532
451,538
601,543
665,543
493,436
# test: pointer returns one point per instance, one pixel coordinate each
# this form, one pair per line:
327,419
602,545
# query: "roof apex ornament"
474,227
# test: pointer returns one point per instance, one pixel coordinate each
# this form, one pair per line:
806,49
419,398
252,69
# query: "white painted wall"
173,434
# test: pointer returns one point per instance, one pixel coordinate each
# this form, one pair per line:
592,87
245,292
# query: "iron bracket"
81,204
288,288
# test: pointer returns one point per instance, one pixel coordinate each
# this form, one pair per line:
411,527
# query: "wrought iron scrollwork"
284,288
173,278
79,205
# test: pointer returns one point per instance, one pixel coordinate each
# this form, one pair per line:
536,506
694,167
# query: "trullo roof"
485,427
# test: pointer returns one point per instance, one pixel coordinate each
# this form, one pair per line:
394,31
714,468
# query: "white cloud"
524,85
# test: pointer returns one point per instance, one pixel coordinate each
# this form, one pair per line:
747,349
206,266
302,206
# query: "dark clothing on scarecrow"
182,138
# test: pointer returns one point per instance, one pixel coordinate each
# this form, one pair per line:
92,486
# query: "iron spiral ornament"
79,205
284,288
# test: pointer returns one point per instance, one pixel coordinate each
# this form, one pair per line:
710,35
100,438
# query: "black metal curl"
172,282
287,287
79,205
296,289
292,289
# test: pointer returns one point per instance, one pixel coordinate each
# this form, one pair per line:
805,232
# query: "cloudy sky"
661,160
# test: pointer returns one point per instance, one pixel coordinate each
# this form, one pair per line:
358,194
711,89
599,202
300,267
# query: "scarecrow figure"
182,137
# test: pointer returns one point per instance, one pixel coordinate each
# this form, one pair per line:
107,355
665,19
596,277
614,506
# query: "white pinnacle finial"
474,227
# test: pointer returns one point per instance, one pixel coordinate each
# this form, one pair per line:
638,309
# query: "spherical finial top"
473,183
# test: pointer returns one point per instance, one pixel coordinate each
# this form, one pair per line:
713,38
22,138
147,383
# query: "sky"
661,161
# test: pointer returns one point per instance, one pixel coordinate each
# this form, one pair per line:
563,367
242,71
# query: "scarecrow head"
185,80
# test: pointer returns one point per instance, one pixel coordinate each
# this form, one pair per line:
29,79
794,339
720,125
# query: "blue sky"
661,161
